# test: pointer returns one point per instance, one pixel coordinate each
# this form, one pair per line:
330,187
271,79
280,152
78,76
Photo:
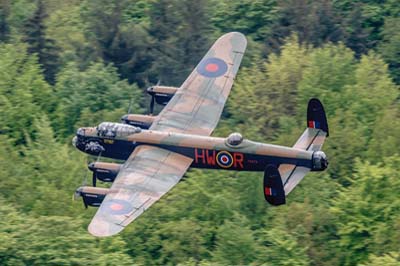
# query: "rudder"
316,117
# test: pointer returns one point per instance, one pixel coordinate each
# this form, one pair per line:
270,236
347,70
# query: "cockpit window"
234,139
112,130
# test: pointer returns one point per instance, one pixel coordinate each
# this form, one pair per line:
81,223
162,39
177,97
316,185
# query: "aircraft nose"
74,141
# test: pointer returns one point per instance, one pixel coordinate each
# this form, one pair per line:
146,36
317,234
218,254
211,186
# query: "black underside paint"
202,158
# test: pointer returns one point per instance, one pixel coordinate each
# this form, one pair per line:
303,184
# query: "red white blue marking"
313,124
212,67
268,191
224,159
117,207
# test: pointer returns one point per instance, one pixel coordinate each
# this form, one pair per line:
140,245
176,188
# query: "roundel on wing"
212,67
117,207
224,159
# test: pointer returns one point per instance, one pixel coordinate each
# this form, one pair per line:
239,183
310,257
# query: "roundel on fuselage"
224,159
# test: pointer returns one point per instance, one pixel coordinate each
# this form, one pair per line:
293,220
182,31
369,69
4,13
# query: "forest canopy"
71,63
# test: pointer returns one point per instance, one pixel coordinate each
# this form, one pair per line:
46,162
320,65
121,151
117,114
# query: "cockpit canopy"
112,130
234,139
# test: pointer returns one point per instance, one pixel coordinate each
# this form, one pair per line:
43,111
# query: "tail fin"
311,140
317,127
273,186
316,117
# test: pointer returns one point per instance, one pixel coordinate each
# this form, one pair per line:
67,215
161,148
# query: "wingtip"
104,229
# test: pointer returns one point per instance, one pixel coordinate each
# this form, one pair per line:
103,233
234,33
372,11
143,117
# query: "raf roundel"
118,207
224,159
212,67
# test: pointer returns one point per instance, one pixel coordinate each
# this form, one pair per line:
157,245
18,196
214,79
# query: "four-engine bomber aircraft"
159,149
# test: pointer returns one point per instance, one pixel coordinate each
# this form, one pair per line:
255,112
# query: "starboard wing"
197,105
146,176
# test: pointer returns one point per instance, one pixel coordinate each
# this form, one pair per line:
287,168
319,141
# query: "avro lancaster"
158,150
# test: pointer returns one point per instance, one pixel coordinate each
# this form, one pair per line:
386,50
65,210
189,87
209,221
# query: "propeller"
153,98
77,192
130,106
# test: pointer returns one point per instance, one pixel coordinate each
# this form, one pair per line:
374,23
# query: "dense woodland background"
71,63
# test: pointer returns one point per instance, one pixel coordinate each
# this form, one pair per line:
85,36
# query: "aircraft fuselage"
206,152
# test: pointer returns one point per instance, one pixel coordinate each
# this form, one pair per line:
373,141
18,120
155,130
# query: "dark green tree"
315,22
117,40
389,48
39,43
180,30
4,25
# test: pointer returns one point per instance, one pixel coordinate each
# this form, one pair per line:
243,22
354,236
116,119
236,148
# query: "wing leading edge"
197,105
146,176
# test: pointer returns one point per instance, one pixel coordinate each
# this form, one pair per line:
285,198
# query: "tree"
91,96
268,93
40,44
315,22
389,48
235,244
366,212
389,259
55,240
24,93
125,44
4,25
180,30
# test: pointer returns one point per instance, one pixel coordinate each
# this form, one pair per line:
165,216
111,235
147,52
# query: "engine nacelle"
162,94
320,162
92,196
106,172
142,121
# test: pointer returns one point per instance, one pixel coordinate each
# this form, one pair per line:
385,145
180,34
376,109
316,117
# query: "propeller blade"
152,104
130,107
94,179
85,204
84,181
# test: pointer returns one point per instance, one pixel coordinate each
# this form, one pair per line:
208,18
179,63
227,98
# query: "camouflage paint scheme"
178,138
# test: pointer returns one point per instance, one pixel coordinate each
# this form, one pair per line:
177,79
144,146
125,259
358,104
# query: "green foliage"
91,96
180,30
390,46
53,240
40,44
389,259
24,94
368,211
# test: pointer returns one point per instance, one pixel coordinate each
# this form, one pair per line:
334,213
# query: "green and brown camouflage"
178,138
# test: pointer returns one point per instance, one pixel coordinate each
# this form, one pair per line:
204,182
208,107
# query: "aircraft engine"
142,121
106,172
320,162
92,196
162,94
